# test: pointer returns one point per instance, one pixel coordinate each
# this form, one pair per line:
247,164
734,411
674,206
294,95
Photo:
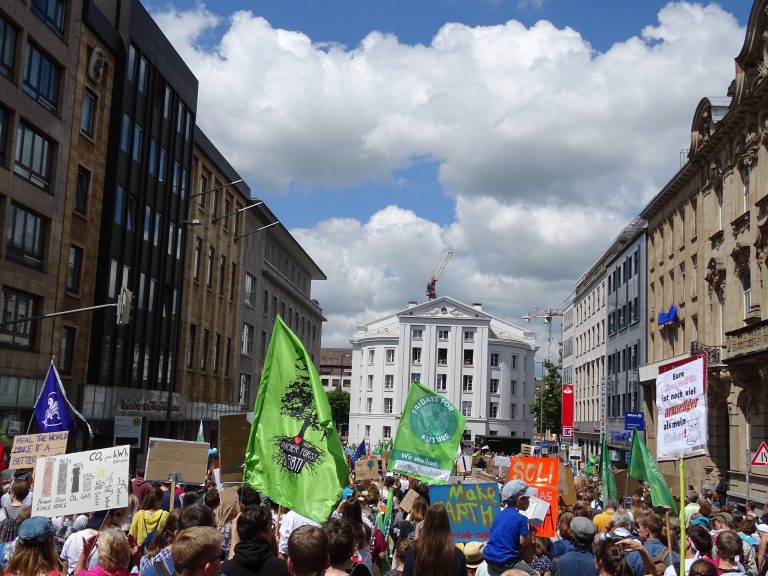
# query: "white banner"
681,402
81,482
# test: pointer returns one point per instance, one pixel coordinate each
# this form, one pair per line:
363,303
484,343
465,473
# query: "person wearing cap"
509,538
473,552
762,533
691,505
35,551
580,561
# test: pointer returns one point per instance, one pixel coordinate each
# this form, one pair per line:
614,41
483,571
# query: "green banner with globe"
428,436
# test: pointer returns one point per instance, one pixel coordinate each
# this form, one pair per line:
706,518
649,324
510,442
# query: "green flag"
606,473
643,467
294,455
589,466
428,436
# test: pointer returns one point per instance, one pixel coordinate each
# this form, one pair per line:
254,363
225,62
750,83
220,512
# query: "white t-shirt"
290,521
670,571
73,547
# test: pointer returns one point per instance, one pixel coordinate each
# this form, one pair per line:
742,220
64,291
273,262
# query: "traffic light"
124,303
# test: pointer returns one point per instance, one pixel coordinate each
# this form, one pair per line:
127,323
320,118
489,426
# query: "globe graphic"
434,419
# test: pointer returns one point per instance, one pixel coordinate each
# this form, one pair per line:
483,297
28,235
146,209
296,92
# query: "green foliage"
339,401
546,405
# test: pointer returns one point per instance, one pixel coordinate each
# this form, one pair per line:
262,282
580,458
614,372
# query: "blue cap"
513,489
36,529
700,521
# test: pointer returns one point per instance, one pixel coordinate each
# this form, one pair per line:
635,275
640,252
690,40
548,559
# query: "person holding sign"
510,538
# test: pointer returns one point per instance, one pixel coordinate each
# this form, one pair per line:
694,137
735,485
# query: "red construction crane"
431,294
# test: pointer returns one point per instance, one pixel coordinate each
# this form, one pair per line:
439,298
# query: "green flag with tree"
643,467
428,436
294,454
606,473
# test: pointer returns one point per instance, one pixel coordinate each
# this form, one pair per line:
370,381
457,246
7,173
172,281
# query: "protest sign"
27,448
566,485
542,474
501,461
407,502
681,429
623,480
367,468
178,460
228,495
234,430
536,511
464,464
81,482
471,508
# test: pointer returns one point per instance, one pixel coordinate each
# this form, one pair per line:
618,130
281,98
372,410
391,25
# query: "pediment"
444,307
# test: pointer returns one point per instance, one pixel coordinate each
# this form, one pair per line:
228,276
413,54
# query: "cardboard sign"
408,500
623,480
367,468
542,474
228,495
566,485
471,508
234,432
536,511
464,464
81,482
27,448
178,460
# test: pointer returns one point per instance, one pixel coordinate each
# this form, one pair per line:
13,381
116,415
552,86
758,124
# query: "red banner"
542,474
567,406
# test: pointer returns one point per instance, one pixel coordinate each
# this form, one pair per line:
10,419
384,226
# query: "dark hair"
580,510
165,536
20,489
152,499
700,538
341,541
353,513
188,499
564,525
253,522
402,547
196,515
248,496
702,568
728,544
308,550
611,559
435,547
748,526
211,498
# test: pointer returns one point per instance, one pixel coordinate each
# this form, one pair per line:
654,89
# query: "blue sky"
524,134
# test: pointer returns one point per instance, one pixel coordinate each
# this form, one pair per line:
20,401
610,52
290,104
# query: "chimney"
477,306
412,304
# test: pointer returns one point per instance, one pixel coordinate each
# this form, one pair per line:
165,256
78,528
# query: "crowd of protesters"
191,532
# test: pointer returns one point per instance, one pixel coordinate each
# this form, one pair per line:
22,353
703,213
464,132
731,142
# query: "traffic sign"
761,456
567,432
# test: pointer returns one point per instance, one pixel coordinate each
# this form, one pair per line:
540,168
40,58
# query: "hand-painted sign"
27,448
367,468
81,482
542,474
471,508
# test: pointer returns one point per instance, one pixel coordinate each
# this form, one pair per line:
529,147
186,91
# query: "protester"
604,518
435,553
649,529
698,545
76,542
352,513
307,551
703,568
165,501
290,522
563,544
248,497
722,490
256,551
139,486
406,528
35,552
197,552
610,559
212,499
691,505
150,518
541,561
114,554
473,552
188,499
225,514
728,546
158,549
18,493
341,546
509,537
580,561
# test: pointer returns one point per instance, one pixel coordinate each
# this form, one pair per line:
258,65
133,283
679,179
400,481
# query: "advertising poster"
682,410
81,482
542,474
27,448
471,508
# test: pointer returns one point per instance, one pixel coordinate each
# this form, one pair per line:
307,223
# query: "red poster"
542,474
567,409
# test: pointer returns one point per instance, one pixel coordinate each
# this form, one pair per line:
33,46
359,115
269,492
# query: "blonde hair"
114,550
32,558
225,513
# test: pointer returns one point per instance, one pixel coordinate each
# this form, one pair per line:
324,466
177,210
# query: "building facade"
335,368
483,365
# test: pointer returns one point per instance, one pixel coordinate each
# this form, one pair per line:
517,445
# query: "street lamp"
257,230
237,211
338,393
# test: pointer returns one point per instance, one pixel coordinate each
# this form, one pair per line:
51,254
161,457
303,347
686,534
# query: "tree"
299,400
339,401
547,403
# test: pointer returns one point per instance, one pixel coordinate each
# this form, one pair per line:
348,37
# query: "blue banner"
51,407
634,421
471,508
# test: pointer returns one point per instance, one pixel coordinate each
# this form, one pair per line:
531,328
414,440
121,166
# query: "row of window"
442,357
623,360
624,272
466,408
443,334
208,359
216,193
441,383
282,262
147,296
626,315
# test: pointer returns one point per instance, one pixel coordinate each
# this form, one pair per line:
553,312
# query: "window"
416,377
67,349
88,116
245,388
138,135
82,189
694,231
467,383
196,259
51,12
387,432
416,355
441,384
33,156
494,387
442,334
494,359
469,336
371,357
142,81
147,223
390,355
18,305
216,352
387,405
367,430
74,268
513,387
158,229
227,210
249,297
26,236
209,271
222,273
493,411
469,357
514,362
152,289
247,345
167,99
370,382
369,405
41,78
466,407
191,345
417,333
513,411
161,165
227,355
389,382
3,134
180,118
442,356
152,156
746,288
7,47
125,134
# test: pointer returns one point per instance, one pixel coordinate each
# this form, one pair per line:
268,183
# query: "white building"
484,366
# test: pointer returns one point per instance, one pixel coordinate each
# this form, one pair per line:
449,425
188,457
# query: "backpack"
8,528
661,561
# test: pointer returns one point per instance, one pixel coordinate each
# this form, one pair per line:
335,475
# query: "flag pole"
682,515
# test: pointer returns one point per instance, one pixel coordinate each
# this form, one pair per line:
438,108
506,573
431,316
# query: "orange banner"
542,474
